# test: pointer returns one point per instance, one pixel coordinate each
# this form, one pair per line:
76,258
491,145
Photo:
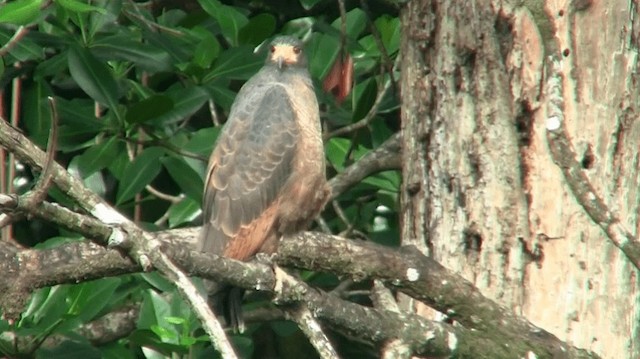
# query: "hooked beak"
280,62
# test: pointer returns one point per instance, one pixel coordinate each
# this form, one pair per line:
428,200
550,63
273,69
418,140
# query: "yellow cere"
288,53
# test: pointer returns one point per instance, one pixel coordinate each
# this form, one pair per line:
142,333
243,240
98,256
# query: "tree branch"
579,184
482,320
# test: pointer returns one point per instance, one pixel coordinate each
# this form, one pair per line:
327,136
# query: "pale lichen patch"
412,274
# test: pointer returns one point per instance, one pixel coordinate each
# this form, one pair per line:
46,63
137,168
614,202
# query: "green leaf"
100,21
45,312
88,299
355,24
152,345
149,109
243,345
364,95
69,350
153,310
20,12
35,305
77,123
77,6
123,47
183,212
186,101
207,49
322,53
37,112
95,181
387,180
116,350
166,335
118,165
53,242
220,93
336,149
139,173
52,66
237,63
178,52
202,141
99,156
229,19
389,28
187,179
175,320
283,328
259,28
93,76
157,281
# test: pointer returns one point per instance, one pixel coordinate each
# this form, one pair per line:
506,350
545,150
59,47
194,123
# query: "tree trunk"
483,192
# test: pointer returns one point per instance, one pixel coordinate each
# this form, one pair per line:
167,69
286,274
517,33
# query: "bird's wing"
250,164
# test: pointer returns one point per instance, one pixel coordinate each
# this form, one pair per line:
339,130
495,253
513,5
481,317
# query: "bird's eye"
296,50
272,49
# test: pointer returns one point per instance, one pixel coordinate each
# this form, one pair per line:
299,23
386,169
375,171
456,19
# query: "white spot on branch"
531,355
107,214
452,341
412,274
553,123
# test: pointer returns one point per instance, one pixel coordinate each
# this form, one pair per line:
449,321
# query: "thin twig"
300,314
342,288
382,297
343,28
160,222
385,157
13,41
46,177
16,96
373,111
343,217
312,329
39,192
198,304
386,60
214,113
162,195
151,26
324,227
162,142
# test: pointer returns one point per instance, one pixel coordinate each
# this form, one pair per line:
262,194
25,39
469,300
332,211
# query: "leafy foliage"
141,89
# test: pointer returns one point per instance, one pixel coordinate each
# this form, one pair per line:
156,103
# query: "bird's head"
286,51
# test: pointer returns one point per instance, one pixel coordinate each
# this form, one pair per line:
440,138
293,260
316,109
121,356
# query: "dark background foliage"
141,90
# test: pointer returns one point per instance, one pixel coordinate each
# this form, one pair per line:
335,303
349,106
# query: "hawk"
266,175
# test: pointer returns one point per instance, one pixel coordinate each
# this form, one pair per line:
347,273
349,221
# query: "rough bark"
486,194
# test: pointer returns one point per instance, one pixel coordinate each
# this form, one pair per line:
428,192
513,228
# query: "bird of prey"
266,175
